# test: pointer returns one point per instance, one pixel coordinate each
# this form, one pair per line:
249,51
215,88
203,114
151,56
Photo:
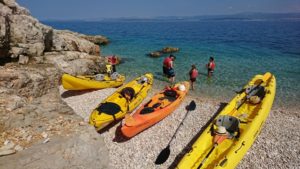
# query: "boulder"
169,49
67,41
155,54
21,34
96,39
74,63
163,51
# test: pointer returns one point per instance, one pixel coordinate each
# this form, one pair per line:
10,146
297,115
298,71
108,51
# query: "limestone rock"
22,35
96,39
4,38
4,10
8,146
74,63
16,51
67,41
85,150
10,3
23,59
18,148
7,152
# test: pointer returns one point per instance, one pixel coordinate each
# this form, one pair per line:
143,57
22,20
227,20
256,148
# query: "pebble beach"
276,147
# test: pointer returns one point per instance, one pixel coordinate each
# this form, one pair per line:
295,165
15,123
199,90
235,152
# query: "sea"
241,50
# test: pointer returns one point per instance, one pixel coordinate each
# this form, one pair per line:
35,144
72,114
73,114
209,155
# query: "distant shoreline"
247,16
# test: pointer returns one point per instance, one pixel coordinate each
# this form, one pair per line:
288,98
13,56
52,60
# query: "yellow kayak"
124,100
99,81
223,144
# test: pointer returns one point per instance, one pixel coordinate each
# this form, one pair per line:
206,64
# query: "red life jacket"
212,65
167,62
112,60
194,73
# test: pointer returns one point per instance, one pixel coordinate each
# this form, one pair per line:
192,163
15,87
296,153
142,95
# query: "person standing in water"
113,62
193,75
210,67
168,68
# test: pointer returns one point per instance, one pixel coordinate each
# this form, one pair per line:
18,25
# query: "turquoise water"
241,49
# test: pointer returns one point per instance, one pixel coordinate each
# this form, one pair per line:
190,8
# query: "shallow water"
241,49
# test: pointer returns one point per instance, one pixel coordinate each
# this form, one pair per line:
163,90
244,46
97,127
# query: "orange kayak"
160,106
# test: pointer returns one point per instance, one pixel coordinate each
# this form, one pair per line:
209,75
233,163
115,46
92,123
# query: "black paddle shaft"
165,153
190,107
211,150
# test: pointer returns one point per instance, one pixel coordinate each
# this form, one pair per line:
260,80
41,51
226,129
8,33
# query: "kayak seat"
128,93
170,93
258,96
231,123
156,105
109,108
147,110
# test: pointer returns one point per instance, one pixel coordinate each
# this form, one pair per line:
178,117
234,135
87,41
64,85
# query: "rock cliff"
32,115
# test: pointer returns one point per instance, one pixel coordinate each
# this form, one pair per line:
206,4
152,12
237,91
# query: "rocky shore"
37,128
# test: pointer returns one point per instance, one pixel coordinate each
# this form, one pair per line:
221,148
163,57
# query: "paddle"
165,153
218,139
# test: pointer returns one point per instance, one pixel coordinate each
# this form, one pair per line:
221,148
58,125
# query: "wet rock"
155,54
163,51
169,49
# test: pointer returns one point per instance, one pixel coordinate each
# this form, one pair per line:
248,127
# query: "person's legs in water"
171,75
114,68
165,71
209,72
192,82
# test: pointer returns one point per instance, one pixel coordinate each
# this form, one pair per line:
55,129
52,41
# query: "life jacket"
113,60
194,73
167,62
212,65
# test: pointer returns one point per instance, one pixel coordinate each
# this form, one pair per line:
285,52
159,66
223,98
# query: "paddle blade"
163,156
191,106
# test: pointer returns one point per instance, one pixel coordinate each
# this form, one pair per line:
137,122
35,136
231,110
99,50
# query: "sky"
97,9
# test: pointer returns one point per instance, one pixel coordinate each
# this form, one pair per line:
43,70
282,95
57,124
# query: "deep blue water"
241,49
